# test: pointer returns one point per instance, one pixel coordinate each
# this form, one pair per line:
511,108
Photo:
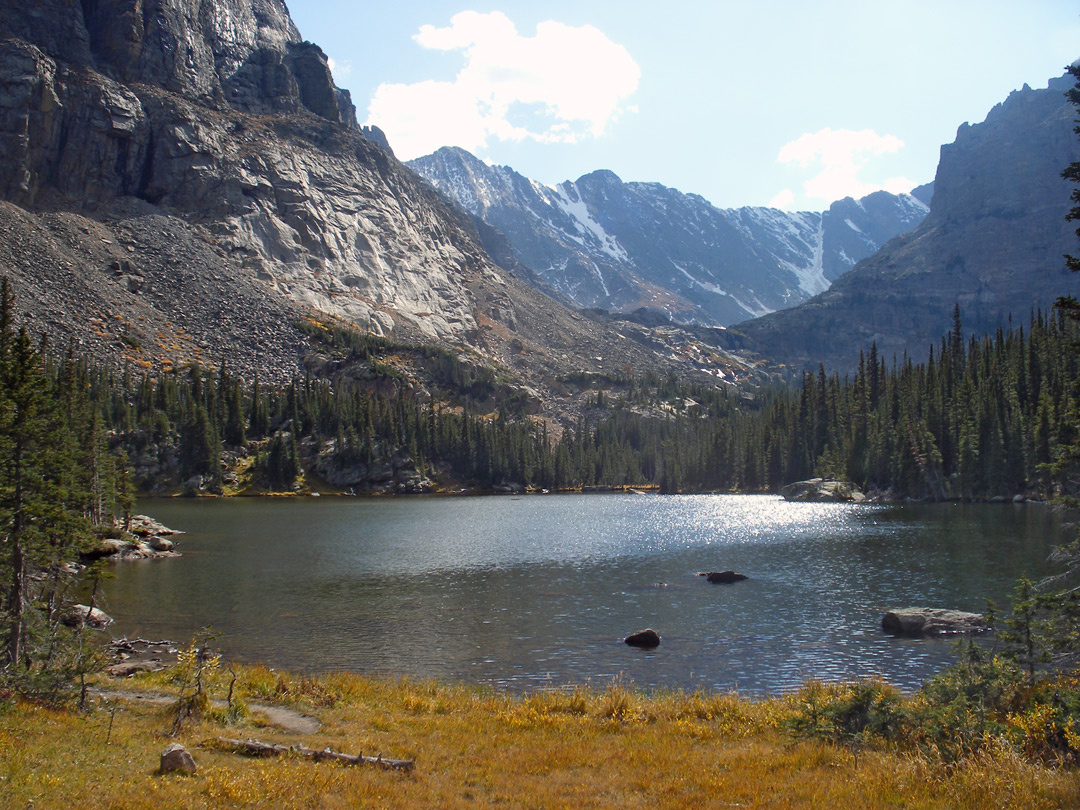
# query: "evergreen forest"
979,418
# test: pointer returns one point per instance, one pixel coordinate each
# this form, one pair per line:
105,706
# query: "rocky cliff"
181,180
624,246
992,243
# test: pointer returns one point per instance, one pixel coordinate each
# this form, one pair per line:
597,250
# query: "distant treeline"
979,418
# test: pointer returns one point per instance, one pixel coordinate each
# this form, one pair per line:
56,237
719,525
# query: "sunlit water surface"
528,592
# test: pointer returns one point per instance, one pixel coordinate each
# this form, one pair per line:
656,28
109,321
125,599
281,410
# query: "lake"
524,593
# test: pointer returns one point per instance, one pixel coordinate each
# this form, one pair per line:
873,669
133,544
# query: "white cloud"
782,200
840,155
339,70
559,86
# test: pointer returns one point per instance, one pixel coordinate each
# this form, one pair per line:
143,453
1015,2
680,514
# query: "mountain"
623,246
992,244
181,181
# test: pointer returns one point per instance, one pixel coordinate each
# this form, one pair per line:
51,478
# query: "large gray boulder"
917,622
820,490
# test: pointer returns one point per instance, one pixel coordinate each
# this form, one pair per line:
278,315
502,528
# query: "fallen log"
263,749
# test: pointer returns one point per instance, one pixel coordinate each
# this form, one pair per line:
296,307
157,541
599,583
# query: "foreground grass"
586,748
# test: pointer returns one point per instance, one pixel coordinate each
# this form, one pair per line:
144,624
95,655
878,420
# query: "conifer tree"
41,527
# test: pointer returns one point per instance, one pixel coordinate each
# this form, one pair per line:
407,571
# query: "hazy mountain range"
625,246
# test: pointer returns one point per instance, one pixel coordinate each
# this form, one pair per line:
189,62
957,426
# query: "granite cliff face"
992,243
182,175
198,108
623,246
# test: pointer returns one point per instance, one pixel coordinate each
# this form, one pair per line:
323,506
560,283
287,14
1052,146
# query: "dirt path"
288,720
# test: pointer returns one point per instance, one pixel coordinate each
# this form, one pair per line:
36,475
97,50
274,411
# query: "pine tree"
40,523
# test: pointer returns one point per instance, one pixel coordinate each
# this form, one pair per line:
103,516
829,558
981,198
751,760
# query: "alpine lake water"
539,591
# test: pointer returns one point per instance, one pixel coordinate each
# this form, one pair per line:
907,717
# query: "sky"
788,104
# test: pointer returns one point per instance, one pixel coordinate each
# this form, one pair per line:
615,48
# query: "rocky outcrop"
146,539
243,54
397,475
643,638
918,622
820,490
992,243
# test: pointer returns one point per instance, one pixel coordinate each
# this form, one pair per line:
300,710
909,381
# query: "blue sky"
754,103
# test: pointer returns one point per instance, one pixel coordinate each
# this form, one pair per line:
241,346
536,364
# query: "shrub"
966,706
854,713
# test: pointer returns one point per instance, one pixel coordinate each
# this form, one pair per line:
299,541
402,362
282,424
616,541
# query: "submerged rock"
644,638
918,622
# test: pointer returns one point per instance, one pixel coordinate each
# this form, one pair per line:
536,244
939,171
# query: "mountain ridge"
624,246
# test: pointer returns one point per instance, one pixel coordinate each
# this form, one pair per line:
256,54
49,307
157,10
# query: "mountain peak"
991,243
623,247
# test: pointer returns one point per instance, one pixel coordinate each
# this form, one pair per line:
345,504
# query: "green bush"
967,705
854,713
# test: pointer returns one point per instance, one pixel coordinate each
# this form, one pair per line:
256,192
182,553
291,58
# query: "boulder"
644,638
177,758
917,622
84,614
723,577
820,490
145,525
159,543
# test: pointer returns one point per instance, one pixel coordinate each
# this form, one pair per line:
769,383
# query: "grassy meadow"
611,746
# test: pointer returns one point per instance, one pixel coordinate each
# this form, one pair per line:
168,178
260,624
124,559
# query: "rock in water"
159,543
91,617
819,490
644,638
177,758
723,577
918,622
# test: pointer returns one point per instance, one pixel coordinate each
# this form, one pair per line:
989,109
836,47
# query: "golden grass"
474,748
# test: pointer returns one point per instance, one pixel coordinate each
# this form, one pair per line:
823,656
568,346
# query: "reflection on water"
541,590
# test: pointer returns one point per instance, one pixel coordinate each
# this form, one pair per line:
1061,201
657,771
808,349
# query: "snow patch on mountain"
755,311
812,277
579,213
